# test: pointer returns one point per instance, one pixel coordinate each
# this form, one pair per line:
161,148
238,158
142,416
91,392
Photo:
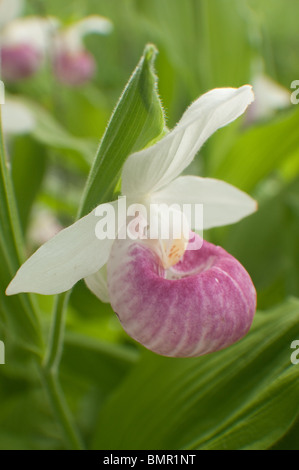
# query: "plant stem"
50,374
55,345
61,410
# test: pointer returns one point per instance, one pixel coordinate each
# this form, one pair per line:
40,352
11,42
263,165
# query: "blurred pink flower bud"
73,65
74,68
19,61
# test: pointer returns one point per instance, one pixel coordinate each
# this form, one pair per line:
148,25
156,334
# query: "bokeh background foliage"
118,394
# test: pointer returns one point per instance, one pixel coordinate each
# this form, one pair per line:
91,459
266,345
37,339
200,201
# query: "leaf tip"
150,52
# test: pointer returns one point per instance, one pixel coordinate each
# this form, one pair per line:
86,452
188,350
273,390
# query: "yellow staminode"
172,251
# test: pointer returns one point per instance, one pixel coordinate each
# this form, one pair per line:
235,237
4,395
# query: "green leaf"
244,397
51,133
24,396
266,243
18,320
95,361
137,120
290,441
197,36
92,318
259,151
90,371
28,170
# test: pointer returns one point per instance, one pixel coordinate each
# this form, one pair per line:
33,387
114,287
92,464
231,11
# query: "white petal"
97,283
9,9
150,169
16,117
222,203
71,38
31,30
73,254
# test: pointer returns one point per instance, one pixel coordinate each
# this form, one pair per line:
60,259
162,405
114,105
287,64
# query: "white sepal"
154,167
223,203
73,254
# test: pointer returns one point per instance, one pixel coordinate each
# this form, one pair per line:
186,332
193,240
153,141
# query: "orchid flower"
23,41
206,300
73,65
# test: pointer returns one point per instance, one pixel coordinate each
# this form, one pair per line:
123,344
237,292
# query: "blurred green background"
120,395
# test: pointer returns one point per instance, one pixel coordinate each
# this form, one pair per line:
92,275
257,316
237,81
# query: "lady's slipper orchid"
73,65
204,303
19,61
23,41
215,296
